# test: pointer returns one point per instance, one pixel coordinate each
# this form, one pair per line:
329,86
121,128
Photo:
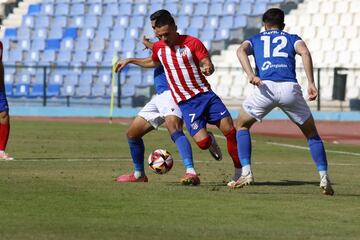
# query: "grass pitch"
61,186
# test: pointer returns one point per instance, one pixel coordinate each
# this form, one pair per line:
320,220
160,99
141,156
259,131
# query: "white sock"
237,173
190,170
322,174
2,152
246,170
139,174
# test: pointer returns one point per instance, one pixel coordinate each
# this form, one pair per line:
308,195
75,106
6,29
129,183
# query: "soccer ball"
160,161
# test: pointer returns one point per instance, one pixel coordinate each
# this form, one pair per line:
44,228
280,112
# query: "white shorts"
160,106
285,95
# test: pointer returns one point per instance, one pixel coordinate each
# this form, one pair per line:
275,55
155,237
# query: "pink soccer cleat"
130,178
190,179
5,157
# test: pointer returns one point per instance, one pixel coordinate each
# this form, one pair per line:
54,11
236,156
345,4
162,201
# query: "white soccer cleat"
325,185
243,181
5,157
214,148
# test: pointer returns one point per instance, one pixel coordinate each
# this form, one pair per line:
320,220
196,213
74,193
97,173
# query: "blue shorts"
4,107
202,109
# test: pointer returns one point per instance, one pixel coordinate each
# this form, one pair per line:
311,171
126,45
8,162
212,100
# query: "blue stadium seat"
226,22
40,33
240,21
64,56
212,22
22,90
122,21
186,9
171,7
103,33
67,90
216,9
98,44
10,33
70,32
37,90
98,91
56,33
33,56
201,9
96,9
62,9
111,9
222,34
229,8
83,44
207,34
34,9
15,55
140,9
137,21
129,44
125,8
91,21
47,9
9,78
24,33
245,8
154,6
117,32
77,9
183,21
52,44
9,90
29,21
104,78
48,56
87,33
80,57
67,44
115,44
106,21
192,31
59,22
197,22
71,79
95,57
77,21
259,8
127,90
38,44
83,91
53,90
42,22
56,78
132,33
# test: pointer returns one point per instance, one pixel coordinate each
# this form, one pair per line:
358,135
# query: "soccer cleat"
131,178
243,181
214,148
325,185
190,179
5,157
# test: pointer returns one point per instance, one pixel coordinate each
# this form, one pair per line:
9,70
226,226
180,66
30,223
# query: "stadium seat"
96,9
70,32
34,9
77,9
62,9
9,90
53,90
37,90
55,33
22,90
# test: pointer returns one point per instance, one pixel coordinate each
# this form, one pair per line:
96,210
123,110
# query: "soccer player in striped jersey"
161,108
186,63
276,86
4,113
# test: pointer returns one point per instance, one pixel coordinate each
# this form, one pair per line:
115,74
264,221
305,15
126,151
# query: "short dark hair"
159,13
275,17
163,19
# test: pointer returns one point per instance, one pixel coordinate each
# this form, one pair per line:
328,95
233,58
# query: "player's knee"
177,134
204,143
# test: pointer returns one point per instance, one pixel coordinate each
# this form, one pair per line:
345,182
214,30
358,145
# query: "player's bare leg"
138,128
318,153
4,135
243,125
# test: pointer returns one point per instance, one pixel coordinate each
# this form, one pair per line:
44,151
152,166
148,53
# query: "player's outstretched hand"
121,64
256,81
207,70
312,92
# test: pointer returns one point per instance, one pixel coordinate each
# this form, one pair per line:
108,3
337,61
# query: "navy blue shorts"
4,107
202,109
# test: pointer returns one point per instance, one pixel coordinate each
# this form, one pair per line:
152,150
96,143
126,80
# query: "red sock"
232,147
4,135
205,143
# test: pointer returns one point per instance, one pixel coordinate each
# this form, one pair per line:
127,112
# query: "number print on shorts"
192,115
277,50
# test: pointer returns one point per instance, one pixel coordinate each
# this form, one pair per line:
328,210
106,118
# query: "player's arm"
142,62
242,53
304,52
207,67
147,43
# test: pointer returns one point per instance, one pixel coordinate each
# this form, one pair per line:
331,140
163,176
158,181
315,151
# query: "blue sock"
184,148
318,154
137,150
244,146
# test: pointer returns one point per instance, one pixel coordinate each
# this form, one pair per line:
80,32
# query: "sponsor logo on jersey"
266,65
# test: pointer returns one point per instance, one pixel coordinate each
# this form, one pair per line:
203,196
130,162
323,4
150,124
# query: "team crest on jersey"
194,125
182,51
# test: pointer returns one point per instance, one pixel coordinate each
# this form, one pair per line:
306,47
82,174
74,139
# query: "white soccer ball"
160,161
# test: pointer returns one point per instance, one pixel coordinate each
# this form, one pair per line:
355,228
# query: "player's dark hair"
164,19
275,17
159,13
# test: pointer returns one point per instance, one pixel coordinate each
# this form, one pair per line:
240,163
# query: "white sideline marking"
306,148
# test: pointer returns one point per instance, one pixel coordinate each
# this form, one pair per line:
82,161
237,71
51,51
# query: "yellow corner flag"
114,61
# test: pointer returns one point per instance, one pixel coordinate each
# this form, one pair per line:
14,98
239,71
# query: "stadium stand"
85,35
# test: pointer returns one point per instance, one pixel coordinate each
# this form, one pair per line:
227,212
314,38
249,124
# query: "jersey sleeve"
199,49
295,39
155,50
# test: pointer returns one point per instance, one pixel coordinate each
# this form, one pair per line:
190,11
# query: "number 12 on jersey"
279,41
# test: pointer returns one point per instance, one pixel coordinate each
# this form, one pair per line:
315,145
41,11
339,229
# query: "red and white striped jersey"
182,69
